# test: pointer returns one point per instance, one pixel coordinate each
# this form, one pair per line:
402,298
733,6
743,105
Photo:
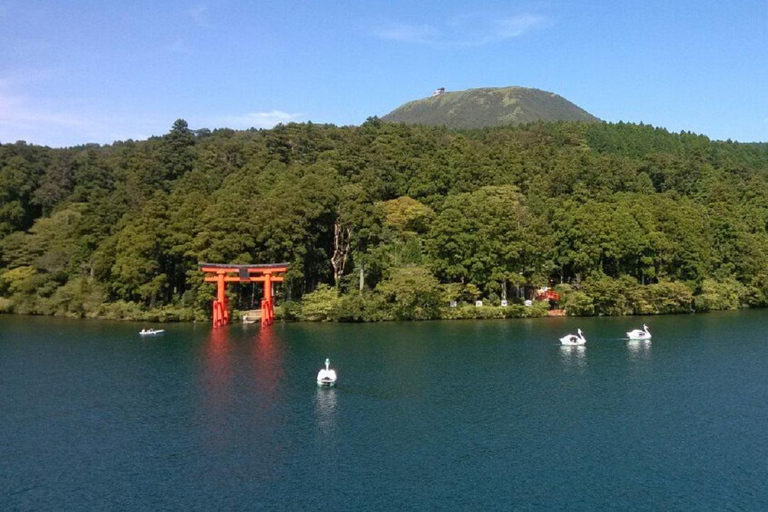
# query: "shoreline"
483,313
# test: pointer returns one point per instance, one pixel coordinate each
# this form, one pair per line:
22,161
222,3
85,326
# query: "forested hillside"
629,218
489,106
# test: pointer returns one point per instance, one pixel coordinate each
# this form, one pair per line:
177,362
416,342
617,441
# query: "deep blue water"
476,415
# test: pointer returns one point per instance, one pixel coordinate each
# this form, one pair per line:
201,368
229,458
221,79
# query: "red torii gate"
266,274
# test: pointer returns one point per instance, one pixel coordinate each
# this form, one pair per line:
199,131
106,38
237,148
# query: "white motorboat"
326,377
573,340
151,332
640,334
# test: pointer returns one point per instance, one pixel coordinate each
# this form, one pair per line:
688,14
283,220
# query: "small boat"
574,340
326,377
640,334
151,332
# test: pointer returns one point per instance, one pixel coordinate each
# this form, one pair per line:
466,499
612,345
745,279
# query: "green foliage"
122,310
137,273
175,152
579,304
321,305
663,298
611,296
411,293
407,215
459,292
627,218
625,296
366,307
720,295
79,297
486,236
18,279
6,305
290,311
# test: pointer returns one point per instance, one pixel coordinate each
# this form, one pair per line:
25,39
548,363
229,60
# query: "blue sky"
82,71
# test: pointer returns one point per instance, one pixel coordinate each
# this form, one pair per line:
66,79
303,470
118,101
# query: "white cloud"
197,14
19,120
178,46
516,26
463,30
39,121
261,119
62,122
408,33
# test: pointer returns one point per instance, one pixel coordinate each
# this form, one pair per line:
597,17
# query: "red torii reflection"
266,273
268,361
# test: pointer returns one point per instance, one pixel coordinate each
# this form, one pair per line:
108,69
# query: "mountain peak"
488,106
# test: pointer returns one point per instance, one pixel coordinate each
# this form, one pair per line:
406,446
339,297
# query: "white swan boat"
326,377
640,334
573,340
151,332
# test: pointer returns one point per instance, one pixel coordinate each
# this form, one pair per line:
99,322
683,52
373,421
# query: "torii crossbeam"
222,274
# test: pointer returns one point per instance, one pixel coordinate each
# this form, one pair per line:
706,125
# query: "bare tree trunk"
362,277
504,289
341,246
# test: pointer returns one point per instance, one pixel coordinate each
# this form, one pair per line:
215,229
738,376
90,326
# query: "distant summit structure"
488,106
438,91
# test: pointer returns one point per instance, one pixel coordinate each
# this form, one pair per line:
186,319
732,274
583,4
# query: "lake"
463,415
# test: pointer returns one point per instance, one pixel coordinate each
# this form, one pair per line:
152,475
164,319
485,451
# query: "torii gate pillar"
267,304
220,314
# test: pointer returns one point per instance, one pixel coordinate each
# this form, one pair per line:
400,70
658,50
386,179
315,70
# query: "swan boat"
326,377
573,340
640,334
150,332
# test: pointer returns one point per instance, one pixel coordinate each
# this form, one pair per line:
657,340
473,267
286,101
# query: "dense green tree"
176,152
412,293
486,236
140,268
